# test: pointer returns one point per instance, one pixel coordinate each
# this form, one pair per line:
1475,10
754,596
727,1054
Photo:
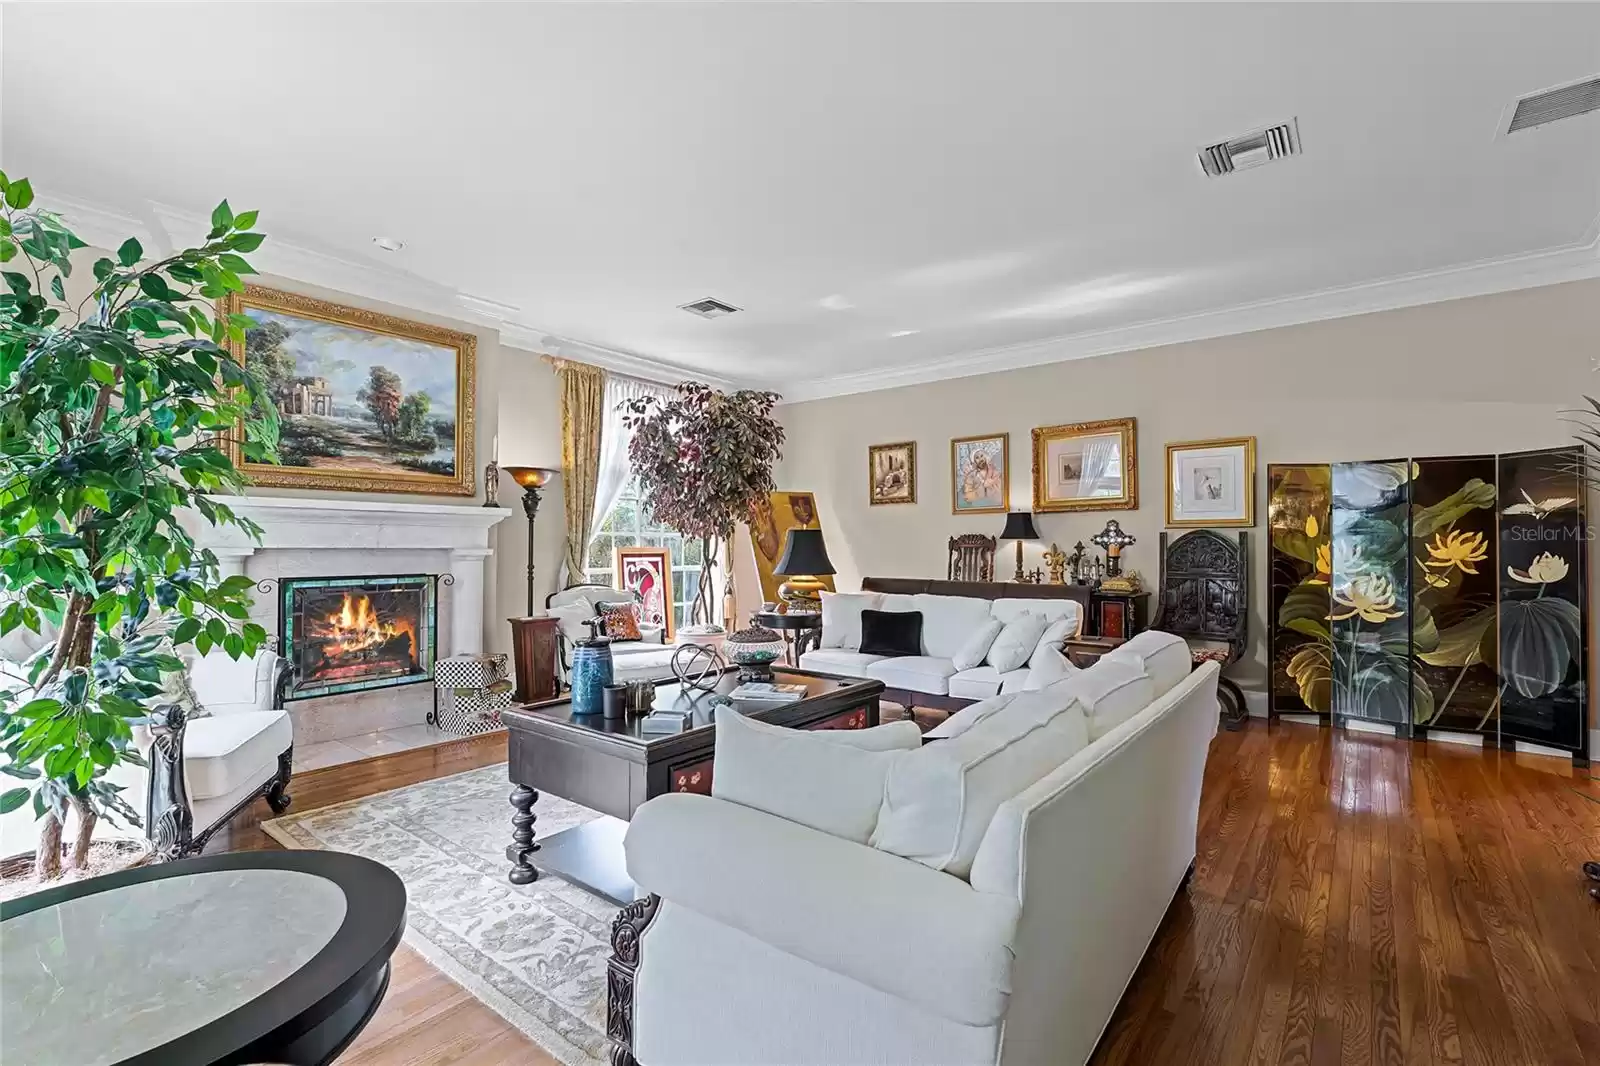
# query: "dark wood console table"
612,766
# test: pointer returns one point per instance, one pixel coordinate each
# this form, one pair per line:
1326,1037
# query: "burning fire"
356,627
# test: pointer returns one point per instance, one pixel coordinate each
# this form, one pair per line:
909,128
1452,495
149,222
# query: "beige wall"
1480,375
530,435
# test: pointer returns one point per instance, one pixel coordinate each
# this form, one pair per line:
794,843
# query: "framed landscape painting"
366,402
980,474
1086,466
647,573
1212,482
892,473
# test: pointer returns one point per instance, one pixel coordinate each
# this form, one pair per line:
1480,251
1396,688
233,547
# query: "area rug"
535,954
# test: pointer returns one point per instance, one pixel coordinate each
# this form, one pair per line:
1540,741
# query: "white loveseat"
783,944
646,659
933,678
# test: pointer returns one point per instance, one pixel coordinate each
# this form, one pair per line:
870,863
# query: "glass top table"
195,961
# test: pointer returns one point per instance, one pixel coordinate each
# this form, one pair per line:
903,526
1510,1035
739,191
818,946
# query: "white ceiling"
991,176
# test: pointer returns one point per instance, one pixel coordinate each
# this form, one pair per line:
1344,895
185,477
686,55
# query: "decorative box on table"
478,686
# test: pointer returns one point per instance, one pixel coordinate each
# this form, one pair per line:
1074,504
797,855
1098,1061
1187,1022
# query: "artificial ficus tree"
114,417
703,459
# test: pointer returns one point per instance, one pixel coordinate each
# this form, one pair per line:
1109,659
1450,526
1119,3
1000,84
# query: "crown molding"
161,228
1571,262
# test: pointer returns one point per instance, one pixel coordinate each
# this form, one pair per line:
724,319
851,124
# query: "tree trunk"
86,823
47,859
705,589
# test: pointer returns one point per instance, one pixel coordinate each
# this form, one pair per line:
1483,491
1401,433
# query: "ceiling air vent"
1552,105
709,308
1251,150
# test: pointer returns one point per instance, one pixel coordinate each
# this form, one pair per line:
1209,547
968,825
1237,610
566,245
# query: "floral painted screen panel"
1454,594
1369,618
1299,502
1543,613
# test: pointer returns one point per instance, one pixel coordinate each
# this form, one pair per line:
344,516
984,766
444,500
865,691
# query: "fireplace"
347,634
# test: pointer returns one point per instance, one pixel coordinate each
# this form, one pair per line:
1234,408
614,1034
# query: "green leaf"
217,630
246,242
20,194
40,708
13,798
221,219
96,497
245,220
130,252
1427,521
236,263
57,289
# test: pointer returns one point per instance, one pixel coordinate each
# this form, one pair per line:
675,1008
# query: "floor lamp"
532,479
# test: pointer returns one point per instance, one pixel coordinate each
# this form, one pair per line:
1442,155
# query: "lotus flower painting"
1300,562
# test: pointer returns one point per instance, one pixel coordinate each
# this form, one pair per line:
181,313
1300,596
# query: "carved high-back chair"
971,558
1203,598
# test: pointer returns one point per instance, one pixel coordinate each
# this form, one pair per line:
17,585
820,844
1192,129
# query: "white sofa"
783,944
947,623
646,659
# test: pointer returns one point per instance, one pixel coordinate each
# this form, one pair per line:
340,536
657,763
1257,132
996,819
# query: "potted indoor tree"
114,417
703,459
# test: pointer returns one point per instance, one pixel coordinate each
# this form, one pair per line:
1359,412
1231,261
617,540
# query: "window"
626,526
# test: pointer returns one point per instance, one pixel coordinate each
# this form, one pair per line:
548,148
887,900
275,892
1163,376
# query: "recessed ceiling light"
904,332
388,244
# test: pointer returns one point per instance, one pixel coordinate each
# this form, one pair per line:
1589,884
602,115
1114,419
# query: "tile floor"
365,745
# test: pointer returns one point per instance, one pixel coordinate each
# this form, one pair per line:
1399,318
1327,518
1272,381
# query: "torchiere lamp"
532,479
804,562
1019,527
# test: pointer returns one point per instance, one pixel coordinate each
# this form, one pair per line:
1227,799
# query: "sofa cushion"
805,776
571,617
223,752
841,617
919,673
1110,692
838,661
969,716
940,798
1046,669
949,621
891,632
1165,657
976,647
1050,640
1008,607
225,685
981,682
1015,644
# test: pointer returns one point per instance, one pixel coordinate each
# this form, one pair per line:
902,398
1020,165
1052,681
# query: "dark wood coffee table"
612,766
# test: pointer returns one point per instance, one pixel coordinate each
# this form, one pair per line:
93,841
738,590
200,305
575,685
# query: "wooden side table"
1084,652
1118,614
535,646
801,631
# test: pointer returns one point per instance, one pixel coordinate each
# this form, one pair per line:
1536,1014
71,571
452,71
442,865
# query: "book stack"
767,692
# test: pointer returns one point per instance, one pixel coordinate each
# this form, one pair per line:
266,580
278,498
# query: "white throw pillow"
1046,669
976,648
940,798
969,716
841,617
1016,642
1110,692
1050,640
571,617
827,779
1165,658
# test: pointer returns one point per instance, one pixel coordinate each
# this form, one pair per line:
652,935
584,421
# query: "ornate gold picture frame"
892,472
367,402
1086,466
1212,482
980,474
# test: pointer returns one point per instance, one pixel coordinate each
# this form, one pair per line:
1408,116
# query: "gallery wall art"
1212,482
1300,563
892,473
1086,466
980,474
647,573
770,520
1441,593
366,402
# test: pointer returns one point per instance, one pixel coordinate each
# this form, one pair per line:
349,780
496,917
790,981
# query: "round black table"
806,627
277,957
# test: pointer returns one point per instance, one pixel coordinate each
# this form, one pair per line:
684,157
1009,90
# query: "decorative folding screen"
1299,500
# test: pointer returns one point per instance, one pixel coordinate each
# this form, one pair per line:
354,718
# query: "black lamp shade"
804,554
1019,526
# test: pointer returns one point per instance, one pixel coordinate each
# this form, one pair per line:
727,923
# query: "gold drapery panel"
582,394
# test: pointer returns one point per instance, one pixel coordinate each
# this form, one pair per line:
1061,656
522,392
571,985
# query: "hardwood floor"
1356,900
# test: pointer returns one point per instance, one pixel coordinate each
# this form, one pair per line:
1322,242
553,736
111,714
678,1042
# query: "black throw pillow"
891,632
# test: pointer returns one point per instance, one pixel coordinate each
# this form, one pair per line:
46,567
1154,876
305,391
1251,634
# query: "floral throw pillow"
620,620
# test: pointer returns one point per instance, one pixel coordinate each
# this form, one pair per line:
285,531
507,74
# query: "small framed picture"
892,473
1212,482
980,474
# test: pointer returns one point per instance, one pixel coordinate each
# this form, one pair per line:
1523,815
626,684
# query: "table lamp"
532,479
805,558
1019,527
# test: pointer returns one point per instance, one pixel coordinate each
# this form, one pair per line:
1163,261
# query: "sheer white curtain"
1102,468
614,439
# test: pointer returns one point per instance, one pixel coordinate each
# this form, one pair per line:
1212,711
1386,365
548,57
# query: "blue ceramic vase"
591,673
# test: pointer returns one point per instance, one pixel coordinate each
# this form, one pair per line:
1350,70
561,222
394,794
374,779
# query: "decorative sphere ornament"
698,666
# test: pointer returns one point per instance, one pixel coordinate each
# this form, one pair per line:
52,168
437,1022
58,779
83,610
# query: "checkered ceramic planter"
474,689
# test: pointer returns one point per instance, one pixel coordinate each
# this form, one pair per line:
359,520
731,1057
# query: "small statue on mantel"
491,484
1076,562
1056,560
1037,577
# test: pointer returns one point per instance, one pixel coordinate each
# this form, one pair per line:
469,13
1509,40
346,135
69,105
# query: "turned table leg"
522,800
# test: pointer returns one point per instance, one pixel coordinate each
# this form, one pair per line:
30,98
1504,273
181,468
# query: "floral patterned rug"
535,954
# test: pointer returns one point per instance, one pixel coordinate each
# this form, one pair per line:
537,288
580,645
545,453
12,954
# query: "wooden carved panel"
693,777
851,719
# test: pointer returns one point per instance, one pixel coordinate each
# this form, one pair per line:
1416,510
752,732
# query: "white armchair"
645,659
764,941
204,769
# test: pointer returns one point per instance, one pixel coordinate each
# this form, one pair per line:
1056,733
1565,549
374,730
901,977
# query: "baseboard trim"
1356,725
1527,747
1450,736
1303,719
